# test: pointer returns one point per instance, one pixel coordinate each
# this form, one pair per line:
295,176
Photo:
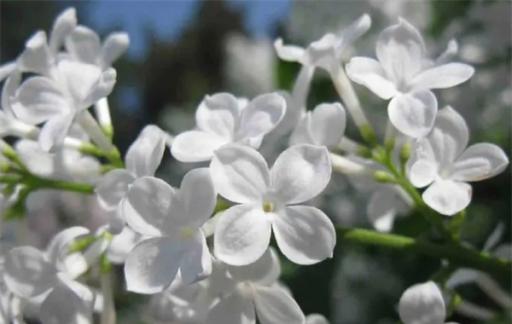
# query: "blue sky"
168,18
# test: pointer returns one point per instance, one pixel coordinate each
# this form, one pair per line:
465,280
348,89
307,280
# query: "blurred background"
182,50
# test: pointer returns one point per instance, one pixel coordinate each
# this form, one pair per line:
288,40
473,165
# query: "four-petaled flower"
267,202
404,74
49,278
253,291
442,162
223,119
170,221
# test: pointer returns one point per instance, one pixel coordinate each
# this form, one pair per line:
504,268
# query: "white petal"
84,45
422,172
449,137
145,154
289,52
113,47
480,161
235,309
28,273
218,114
147,206
62,27
152,265
39,99
443,76
112,187
195,201
63,305
261,116
54,131
316,319
195,146
368,72
36,56
242,235
239,173
264,271
275,306
328,123
422,304
413,113
301,173
448,197
197,262
400,50
304,234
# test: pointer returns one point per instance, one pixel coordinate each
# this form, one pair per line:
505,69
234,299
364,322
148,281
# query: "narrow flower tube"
350,99
102,110
91,127
344,165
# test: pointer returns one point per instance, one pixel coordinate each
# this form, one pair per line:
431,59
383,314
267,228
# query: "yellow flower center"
268,206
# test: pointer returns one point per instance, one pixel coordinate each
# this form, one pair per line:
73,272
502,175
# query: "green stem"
64,185
456,254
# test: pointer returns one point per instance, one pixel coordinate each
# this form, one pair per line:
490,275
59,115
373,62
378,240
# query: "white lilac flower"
49,278
325,125
59,98
442,162
223,119
142,159
267,201
253,291
404,74
182,303
170,221
325,53
422,304
64,164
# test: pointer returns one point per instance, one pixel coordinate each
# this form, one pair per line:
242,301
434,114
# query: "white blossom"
422,304
267,201
170,221
325,53
49,279
223,119
442,162
404,74
57,99
252,291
